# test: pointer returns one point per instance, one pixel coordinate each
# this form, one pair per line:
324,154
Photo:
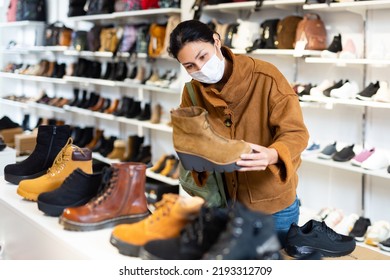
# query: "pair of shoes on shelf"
377,232
331,152
371,159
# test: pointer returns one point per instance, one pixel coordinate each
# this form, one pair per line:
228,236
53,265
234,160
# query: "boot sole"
124,248
56,210
200,164
15,179
302,251
76,226
27,195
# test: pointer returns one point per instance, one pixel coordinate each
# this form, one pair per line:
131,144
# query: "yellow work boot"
68,159
172,213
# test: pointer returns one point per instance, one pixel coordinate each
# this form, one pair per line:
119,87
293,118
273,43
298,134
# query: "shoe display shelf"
329,102
32,78
27,234
359,7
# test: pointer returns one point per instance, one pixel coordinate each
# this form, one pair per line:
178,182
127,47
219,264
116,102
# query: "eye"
189,67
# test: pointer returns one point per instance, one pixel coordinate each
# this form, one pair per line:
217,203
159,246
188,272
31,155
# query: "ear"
217,40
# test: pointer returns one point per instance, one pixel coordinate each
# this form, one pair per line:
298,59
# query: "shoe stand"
26,233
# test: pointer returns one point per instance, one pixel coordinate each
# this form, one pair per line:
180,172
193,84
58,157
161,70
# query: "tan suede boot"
122,200
119,150
172,213
68,159
199,147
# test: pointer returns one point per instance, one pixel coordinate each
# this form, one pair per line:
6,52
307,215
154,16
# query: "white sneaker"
334,218
319,90
348,90
349,50
377,160
378,232
383,93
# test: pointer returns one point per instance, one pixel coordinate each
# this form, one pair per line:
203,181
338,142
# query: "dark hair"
189,31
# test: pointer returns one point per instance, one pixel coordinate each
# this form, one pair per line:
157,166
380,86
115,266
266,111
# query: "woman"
250,100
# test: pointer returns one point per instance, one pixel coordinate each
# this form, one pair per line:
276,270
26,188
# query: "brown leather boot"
119,150
199,147
122,200
96,138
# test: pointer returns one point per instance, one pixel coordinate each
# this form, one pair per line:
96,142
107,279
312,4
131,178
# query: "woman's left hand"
259,159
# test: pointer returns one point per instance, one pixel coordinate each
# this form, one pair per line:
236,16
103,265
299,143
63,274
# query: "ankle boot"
77,189
144,154
98,133
122,200
249,235
195,239
119,150
75,99
67,160
199,147
172,213
134,110
145,113
86,137
26,123
156,114
134,143
50,141
108,146
125,105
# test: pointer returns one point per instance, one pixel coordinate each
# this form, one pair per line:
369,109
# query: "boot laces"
194,231
61,158
109,181
163,208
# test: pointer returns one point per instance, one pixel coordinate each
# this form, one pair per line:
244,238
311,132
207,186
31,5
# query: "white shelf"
353,6
32,78
345,166
24,23
161,178
29,234
21,105
282,52
328,102
30,49
345,62
89,81
250,5
130,16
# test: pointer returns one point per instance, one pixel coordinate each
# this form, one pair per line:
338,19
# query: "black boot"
336,45
77,189
26,123
134,144
135,110
146,113
126,104
87,136
144,154
249,235
50,141
194,241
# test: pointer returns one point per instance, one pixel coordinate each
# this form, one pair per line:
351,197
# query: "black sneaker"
345,154
76,190
336,45
249,235
360,228
317,236
338,84
195,239
368,92
385,245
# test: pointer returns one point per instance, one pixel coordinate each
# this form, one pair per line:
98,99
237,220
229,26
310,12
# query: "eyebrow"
186,63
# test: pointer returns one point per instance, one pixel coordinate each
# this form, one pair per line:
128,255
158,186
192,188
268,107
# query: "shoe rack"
158,134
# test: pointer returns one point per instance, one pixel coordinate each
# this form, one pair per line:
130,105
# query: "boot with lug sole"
172,213
199,147
67,160
122,200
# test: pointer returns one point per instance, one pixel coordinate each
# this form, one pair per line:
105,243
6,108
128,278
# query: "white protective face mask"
211,72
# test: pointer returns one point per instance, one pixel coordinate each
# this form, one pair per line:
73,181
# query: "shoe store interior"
88,169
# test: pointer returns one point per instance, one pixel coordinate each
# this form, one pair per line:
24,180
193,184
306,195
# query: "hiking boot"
67,160
195,239
172,213
77,189
50,141
249,235
195,142
317,236
122,200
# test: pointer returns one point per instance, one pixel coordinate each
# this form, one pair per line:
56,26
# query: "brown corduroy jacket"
264,110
